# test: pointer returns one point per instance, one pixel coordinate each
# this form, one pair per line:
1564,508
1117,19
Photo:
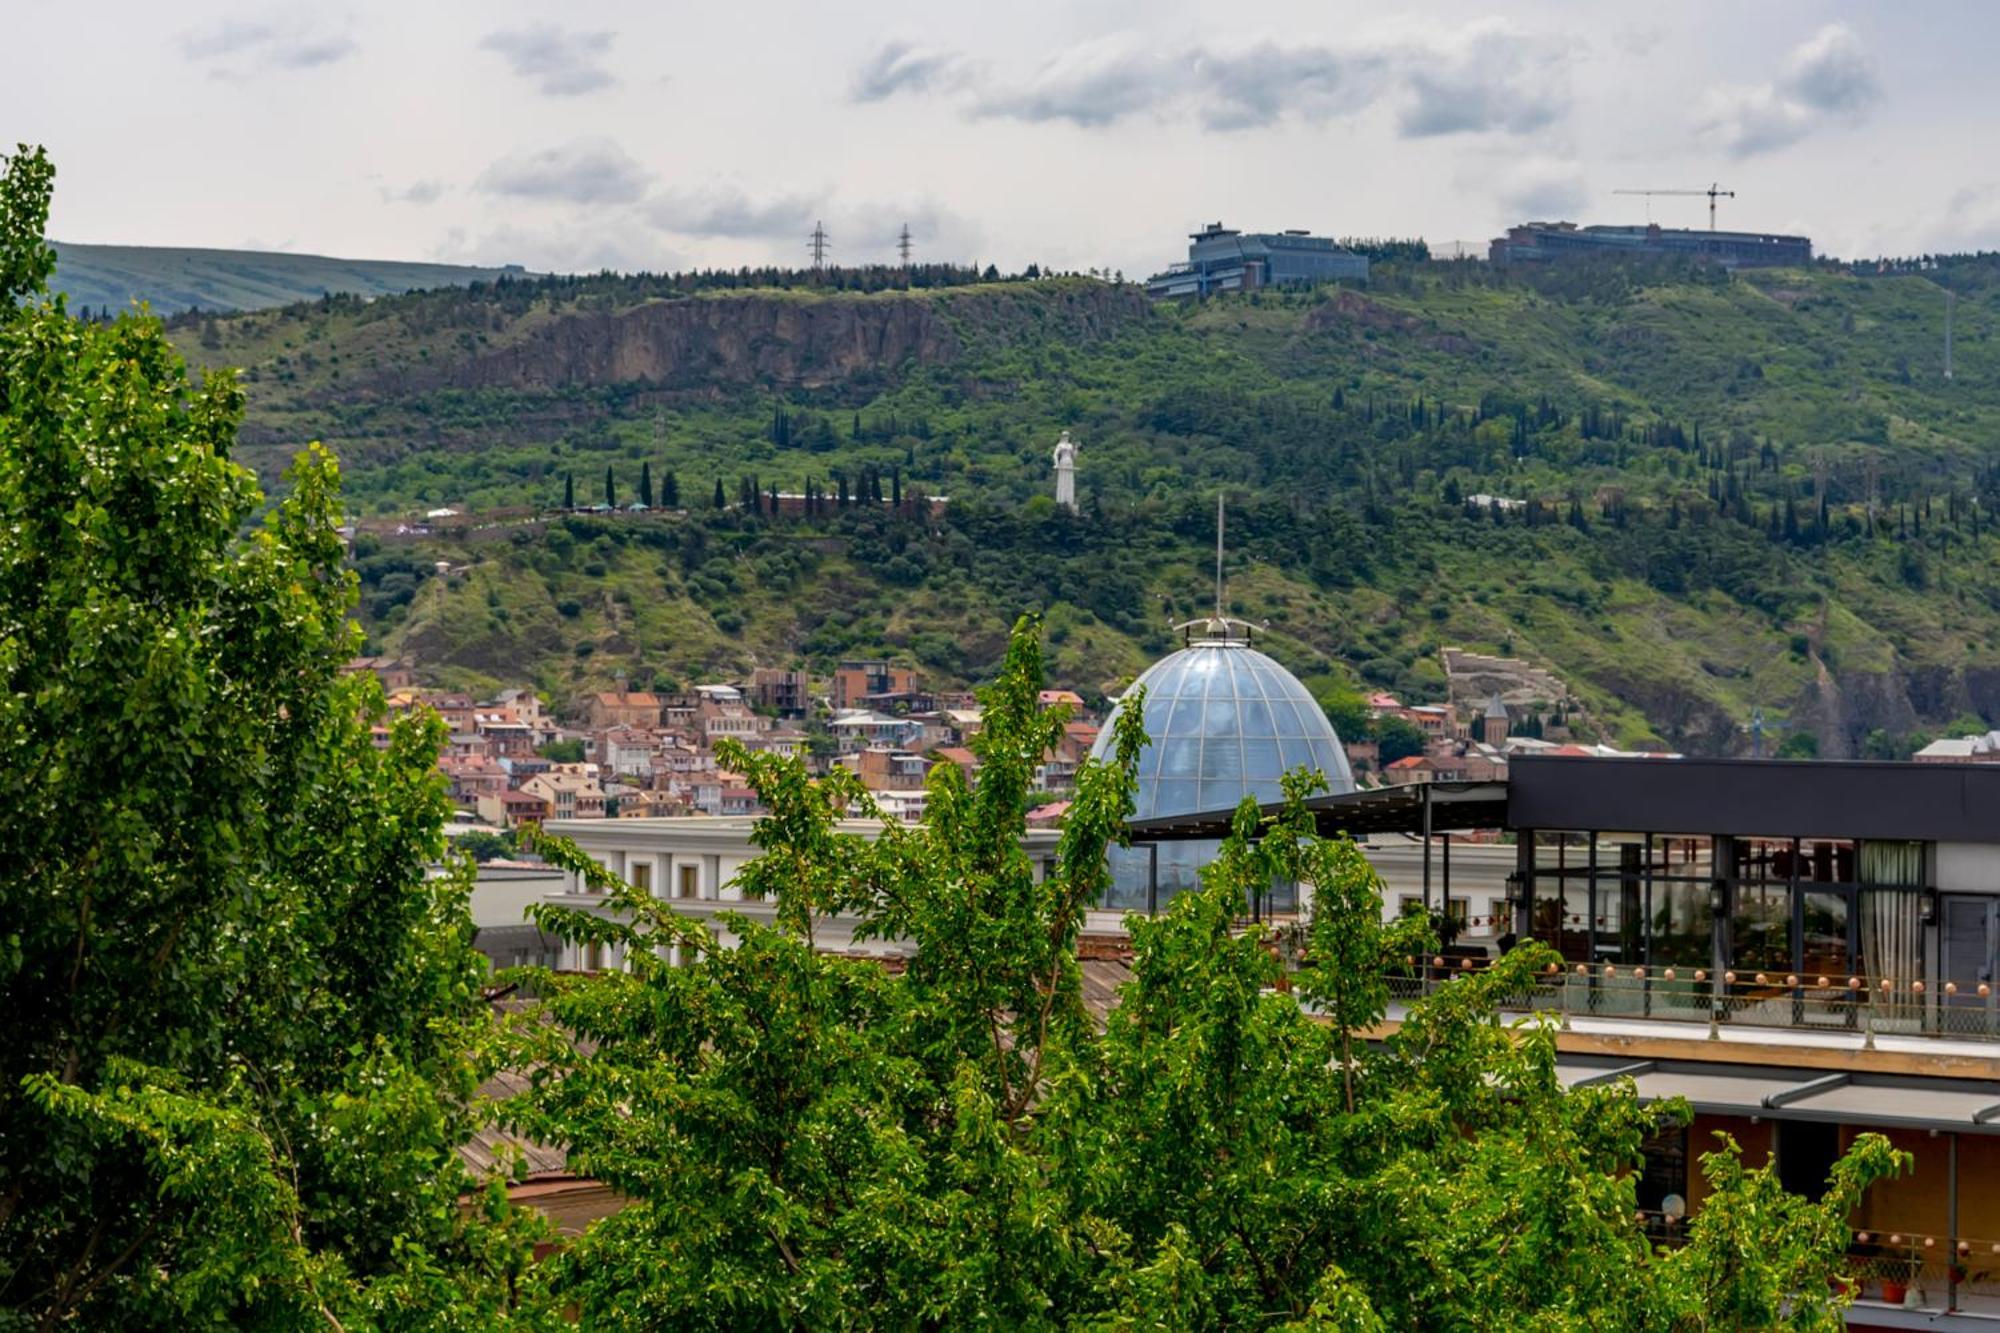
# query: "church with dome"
1223,720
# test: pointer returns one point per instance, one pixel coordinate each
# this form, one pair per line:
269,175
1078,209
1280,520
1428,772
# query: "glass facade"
1223,720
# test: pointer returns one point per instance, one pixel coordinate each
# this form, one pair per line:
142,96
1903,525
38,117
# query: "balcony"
1863,1013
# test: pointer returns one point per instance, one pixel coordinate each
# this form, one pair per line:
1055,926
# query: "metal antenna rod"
1218,556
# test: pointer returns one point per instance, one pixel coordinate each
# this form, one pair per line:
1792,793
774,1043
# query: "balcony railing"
1864,1007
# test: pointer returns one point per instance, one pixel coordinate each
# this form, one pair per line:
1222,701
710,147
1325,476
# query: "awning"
1454,807
1875,1101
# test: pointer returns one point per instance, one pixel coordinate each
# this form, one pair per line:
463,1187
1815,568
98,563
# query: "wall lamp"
1927,907
1718,896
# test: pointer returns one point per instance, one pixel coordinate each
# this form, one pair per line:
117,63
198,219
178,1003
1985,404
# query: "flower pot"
1895,1290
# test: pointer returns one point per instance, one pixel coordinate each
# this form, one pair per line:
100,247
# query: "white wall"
1964,867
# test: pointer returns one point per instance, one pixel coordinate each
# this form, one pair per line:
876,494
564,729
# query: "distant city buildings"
1545,242
1223,260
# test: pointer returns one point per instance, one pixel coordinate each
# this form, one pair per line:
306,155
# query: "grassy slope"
173,279
1837,373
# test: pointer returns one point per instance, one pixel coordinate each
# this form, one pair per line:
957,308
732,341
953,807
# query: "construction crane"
1713,192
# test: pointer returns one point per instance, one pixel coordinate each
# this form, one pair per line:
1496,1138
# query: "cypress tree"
670,491
610,488
646,484
569,490
721,500
896,487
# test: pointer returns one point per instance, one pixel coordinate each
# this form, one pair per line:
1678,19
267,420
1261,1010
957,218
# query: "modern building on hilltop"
1222,260
1545,242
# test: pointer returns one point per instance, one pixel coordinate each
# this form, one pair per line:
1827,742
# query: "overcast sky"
1082,135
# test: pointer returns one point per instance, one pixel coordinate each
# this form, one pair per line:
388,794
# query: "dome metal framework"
1223,720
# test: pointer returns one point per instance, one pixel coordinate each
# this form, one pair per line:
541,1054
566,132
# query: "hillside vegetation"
173,279
1735,493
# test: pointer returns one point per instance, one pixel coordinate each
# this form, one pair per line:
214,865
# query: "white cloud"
1257,85
563,63
728,211
583,171
1488,78
426,191
1491,77
234,47
899,67
1828,80
580,244
1541,188
1091,85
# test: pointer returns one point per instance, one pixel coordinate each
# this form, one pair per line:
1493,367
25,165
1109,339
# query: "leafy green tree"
1399,738
815,1140
568,750
240,1017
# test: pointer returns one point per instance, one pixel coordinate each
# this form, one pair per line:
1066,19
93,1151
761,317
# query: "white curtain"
1892,875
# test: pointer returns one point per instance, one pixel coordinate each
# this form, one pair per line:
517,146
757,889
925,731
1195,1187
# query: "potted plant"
1896,1275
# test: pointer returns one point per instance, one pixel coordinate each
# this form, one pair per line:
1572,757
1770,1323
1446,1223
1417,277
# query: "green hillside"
1694,454
171,279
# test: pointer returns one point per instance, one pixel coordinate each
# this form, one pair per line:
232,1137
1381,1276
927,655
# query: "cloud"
1092,85
1828,80
1491,78
1541,188
1832,72
564,63
902,68
583,171
1256,86
233,46
426,191
582,244
727,211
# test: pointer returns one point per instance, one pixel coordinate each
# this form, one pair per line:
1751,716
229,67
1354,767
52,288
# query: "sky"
1085,135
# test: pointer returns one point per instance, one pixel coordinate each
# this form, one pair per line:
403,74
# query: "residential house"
882,768
395,673
854,682
570,794
965,760
526,705
456,709
785,693
473,777
857,729
622,708
505,732
626,751
513,808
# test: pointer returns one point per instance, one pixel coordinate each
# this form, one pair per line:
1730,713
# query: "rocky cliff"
779,341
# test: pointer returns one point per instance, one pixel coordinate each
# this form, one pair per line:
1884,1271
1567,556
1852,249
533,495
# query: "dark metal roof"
1455,807
1742,797
1878,1101
1767,797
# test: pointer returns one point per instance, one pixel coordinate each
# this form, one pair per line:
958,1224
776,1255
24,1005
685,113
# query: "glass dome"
1222,720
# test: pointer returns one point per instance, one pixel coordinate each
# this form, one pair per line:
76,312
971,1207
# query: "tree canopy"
817,1141
241,1020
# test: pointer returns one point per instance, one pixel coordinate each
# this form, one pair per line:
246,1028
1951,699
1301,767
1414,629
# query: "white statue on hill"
1066,473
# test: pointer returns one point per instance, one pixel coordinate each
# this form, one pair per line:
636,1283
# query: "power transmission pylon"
819,242
903,245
